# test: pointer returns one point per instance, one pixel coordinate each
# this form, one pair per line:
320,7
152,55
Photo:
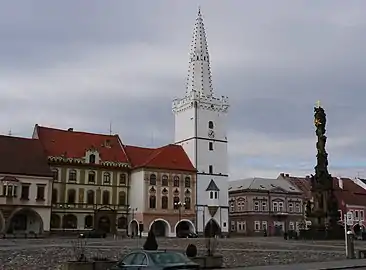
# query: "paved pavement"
43,254
342,264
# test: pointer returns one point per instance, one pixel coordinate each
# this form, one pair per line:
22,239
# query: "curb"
343,267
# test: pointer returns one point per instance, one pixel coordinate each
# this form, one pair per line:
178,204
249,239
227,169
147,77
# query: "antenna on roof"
110,127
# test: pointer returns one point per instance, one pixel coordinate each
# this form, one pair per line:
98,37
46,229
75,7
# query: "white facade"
37,207
200,127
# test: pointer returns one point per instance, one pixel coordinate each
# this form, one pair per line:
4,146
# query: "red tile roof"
170,157
23,156
351,193
74,144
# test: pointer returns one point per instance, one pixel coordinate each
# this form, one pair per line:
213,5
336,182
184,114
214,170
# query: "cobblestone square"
32,254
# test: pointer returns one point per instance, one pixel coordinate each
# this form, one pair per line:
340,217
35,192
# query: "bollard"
350,245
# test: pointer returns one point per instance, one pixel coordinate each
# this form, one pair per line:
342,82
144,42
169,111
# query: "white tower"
200,127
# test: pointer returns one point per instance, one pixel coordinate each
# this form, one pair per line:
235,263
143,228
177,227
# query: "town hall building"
200,128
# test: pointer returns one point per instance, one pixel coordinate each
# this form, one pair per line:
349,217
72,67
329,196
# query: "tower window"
210,125
210,169
210,146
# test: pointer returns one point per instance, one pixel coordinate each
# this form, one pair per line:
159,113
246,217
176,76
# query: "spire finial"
199,10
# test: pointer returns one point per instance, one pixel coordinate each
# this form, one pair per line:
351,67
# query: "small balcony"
279,212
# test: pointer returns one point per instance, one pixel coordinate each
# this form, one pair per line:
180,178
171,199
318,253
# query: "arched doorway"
69,221
105,220
104,224
122,223
25,220
212,229
55,221
134,228
160,227
183,228
88,222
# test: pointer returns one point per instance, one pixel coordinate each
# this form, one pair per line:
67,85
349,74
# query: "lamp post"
179,205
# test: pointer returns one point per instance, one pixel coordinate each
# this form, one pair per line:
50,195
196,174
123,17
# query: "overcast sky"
84,64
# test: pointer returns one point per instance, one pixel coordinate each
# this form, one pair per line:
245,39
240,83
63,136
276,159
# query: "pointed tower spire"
199,72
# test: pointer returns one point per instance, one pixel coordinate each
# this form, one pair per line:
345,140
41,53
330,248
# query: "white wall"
137,191
43,208
218,158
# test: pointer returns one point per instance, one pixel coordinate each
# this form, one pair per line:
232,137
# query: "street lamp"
179,205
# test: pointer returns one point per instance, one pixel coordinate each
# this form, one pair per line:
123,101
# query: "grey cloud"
273,61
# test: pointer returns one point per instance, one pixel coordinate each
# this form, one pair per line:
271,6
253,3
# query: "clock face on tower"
211,134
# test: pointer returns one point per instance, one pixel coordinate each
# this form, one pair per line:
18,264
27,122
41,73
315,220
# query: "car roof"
153,251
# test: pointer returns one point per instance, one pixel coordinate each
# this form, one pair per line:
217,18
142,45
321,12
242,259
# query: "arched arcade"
160,227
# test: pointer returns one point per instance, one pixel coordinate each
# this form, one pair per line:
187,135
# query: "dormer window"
210,125
92,159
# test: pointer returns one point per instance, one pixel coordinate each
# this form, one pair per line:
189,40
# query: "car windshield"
168,258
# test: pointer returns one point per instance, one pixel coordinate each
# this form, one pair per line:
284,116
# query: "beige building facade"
163,192
25,188
259,205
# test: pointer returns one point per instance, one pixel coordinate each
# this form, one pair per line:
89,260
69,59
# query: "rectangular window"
257,225
25,192
297,208
231,206
210,169
216,194
211,194
361,215
356,215
40,192
233,226
280,206
297,226
210,146
241,226
264,206
291,226
264,225
290,207
275,207
256,206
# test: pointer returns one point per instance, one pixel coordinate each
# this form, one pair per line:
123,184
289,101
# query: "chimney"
340,182
307,177
287,175
282,174
70,129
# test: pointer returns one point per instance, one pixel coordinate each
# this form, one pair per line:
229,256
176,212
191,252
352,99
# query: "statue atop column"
324,211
